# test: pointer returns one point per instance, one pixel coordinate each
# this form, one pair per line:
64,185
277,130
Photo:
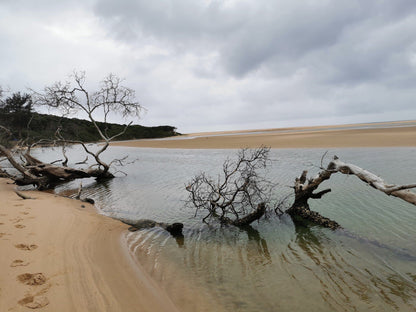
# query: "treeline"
17,115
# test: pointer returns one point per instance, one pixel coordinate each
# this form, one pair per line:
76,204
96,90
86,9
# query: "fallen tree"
241,196
305,189
72,97
175,229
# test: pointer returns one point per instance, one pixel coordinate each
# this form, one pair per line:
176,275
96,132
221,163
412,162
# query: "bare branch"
82,162
400,191
238,197
304,190
112,97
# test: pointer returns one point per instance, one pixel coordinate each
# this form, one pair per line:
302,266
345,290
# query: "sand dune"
390,134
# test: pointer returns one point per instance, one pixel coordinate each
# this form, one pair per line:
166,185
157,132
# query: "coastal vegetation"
17,114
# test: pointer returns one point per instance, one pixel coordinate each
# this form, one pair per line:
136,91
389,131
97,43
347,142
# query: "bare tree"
239,195
111,98
305,189
72,97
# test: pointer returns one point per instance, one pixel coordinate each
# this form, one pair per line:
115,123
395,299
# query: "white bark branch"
400,191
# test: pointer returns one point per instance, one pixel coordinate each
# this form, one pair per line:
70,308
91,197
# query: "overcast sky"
204,65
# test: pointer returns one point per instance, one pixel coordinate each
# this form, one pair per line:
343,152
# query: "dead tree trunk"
304,190
247,219
44,175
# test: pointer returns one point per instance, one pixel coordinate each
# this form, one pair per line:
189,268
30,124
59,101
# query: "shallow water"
276,265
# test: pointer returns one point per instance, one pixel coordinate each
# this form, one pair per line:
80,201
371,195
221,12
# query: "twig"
79,191
82,162
21,195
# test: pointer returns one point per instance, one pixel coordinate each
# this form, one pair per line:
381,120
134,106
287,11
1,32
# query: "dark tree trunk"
251,217
45,176
304,190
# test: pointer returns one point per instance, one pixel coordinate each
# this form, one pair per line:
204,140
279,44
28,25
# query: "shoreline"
80,254
393,134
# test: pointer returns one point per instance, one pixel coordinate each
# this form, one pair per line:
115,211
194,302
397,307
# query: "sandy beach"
58,254
389,134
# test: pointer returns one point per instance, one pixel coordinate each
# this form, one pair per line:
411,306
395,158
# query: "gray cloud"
205,65
250,35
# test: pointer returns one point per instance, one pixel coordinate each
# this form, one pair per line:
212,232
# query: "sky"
203,65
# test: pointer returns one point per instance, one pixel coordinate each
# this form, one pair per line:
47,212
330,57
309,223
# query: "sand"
392,134
58,256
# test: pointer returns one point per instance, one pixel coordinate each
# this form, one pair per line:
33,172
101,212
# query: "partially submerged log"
247,219
305,188
175,229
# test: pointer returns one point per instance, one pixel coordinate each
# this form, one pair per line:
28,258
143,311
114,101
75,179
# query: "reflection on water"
274,265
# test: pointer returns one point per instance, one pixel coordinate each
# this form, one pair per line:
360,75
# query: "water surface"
275,265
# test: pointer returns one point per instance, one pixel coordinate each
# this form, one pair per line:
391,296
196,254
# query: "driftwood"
21,195
400,191
78,196
44,175
175,229
4,174
305,189
247,219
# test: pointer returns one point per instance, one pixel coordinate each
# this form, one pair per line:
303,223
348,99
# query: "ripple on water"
276,265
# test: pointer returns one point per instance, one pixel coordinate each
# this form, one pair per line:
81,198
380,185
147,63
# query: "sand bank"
82,264
393,134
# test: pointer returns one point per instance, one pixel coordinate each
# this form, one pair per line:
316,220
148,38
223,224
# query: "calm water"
275,266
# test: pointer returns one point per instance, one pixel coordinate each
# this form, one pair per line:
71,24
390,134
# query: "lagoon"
277,265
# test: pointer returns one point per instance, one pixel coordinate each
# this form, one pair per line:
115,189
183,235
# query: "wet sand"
59,256
389,134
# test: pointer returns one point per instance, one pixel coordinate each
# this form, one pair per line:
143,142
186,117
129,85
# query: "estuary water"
276,265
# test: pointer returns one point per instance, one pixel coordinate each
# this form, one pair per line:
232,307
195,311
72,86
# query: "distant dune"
380,134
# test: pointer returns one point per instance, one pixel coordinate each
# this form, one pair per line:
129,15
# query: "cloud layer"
216,65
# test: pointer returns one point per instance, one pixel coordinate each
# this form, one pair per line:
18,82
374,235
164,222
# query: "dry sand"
58,256
387,135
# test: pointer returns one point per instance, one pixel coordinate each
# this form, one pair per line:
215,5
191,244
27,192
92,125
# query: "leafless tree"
111,98
305,189
239,195
72,97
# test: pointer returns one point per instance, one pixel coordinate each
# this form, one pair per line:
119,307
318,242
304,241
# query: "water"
276,265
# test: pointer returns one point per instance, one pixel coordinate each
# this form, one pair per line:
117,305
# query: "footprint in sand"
18,205
3,215
26,246
20,226
16,220
34,302
1,223
32,279
24,212
2,234
19,262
